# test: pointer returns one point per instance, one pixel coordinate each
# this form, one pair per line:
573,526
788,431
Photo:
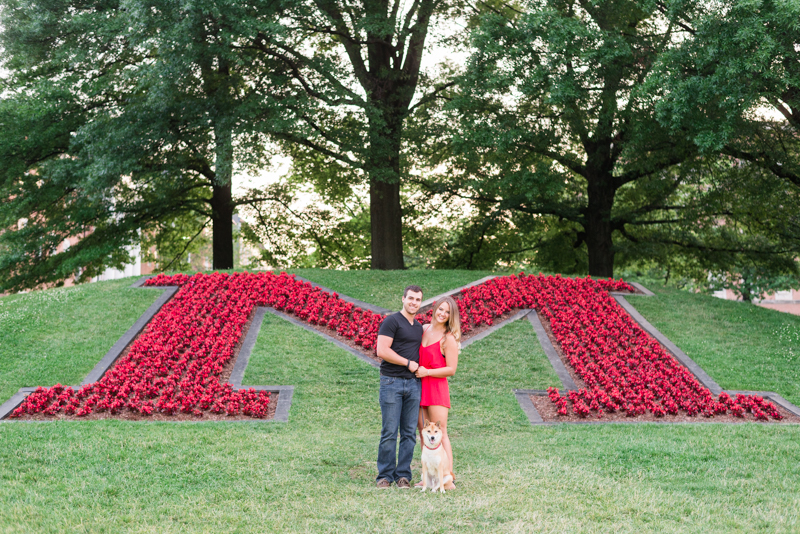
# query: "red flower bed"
174,366
624,368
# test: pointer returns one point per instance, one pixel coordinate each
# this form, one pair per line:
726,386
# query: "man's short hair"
415,289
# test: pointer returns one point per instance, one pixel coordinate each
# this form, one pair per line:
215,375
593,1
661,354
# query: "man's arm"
385,351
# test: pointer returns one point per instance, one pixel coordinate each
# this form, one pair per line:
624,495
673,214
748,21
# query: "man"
399,339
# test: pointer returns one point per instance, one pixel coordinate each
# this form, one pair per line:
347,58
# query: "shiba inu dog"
434,458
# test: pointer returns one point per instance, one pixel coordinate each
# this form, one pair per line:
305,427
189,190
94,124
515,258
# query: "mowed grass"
739,345
316,473
59,335
385,288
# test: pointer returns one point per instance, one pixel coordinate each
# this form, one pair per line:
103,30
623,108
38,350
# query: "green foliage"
331,233
170,242
553,123
733,74
752,282
122,120
561,145
733,87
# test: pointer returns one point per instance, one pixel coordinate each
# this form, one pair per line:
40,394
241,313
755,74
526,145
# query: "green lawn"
316,473
59,335
385,288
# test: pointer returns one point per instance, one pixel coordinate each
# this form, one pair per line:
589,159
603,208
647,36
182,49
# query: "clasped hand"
421,372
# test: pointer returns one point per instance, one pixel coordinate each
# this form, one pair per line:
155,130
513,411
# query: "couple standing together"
416,363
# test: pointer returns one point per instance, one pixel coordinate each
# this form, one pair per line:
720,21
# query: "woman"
438,359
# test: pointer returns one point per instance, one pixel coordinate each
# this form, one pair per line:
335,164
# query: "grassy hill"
316,473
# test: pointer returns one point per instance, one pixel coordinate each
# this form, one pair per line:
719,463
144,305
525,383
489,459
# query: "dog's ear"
438,424
425,423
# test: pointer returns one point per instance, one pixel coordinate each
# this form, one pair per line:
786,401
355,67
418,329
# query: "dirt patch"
549,413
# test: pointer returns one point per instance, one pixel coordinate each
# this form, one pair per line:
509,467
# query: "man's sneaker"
383,484
403,483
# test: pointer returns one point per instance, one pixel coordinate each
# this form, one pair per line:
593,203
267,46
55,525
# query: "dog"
434,458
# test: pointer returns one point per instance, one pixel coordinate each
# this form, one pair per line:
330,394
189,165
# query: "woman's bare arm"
451,358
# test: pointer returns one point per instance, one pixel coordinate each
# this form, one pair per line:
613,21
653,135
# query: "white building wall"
132,269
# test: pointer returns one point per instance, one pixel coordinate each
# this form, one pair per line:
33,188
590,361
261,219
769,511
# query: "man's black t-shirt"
406,339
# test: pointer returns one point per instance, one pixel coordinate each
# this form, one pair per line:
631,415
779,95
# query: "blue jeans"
399,399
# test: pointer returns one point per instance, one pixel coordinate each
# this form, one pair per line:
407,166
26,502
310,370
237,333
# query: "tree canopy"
561,141
128,118
582,135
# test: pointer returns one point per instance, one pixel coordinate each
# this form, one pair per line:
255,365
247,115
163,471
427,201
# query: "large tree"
559,137
129,117
554,121
361,66
733,87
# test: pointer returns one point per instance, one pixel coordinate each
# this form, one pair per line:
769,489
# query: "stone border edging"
285,393
360,303
122,343
771,395
16,399
426,304
142,279
519,315
237,374
358,354
524,399
681,356
550,352
535,419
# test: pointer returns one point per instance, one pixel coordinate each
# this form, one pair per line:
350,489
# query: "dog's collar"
433,449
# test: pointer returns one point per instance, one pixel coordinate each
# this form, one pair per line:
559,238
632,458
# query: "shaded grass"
385,288
315,474
59,335
739,345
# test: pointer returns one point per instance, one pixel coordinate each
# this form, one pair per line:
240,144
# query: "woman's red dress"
435,391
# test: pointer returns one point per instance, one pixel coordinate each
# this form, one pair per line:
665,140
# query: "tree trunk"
386,216
222,201
386,225
600,246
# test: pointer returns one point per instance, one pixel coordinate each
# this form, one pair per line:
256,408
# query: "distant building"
785,301
198,262
135,268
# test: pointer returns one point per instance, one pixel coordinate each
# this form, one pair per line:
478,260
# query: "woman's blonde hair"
453,324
